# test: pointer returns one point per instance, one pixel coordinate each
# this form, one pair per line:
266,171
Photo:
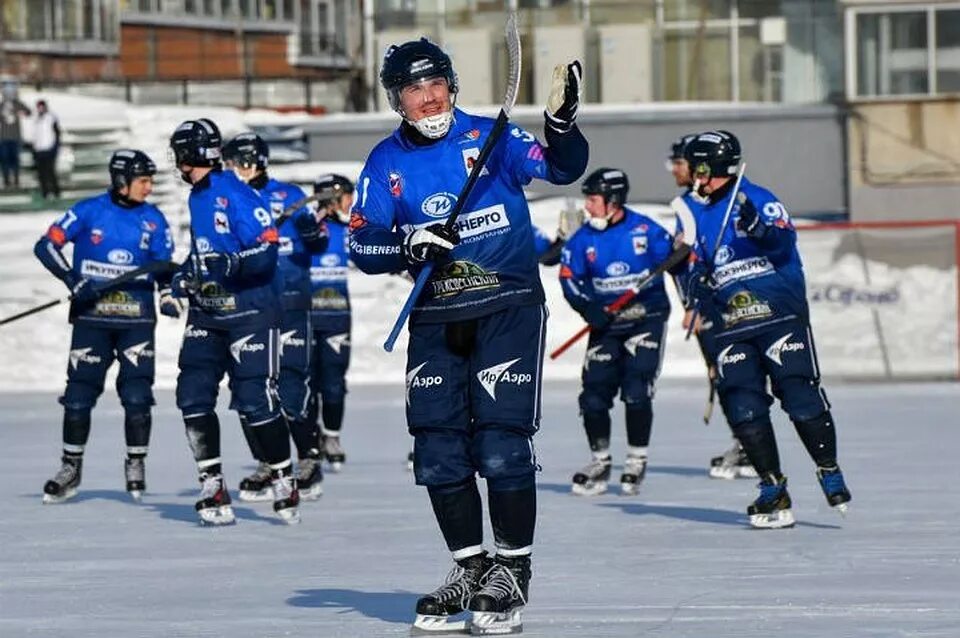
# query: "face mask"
434,126
598,223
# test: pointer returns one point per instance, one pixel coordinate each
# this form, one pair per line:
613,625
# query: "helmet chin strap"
601,223
434,127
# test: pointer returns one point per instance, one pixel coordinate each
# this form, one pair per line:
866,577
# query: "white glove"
564,99
432,242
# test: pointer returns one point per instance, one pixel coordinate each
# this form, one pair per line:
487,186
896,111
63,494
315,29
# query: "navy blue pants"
628,362
93,348
249,356
294,384
783,353
473,396
330,361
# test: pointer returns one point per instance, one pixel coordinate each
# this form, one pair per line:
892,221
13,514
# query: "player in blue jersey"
232,326
750,284
331,317
112,234
733,463
476,342
605,258
301,237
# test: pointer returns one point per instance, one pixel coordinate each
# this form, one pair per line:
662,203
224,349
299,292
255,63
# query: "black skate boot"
135,470
256,487
310,478
214,507
64,485
732,464
834,487
286,496
333,452
771,510
451,598
498,606
592,479
634,469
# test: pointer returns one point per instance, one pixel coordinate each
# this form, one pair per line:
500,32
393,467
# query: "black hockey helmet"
128,164
247,150
196,143
411,62
612,183
714,154
676,149
330,187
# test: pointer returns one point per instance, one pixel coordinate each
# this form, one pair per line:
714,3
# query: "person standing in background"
46,146
11,109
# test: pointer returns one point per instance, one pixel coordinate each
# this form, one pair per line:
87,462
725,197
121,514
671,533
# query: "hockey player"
605,258
331,317
477,332
301,236
232,325
751,286
733,463
113,233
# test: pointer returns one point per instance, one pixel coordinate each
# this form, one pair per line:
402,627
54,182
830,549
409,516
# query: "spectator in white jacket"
46,145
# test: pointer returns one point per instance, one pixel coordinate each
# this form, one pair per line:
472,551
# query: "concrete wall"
905,160
797,151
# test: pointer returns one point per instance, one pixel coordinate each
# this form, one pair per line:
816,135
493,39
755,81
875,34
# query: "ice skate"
498,606
135,471
214,504
435,609
834,487
771,510
309,479
732,464
256,487
333,452
63,486
410,462
286,497
634,469
592,479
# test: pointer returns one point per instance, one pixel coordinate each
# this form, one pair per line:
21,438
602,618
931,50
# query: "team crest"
149,226
222,202
639,244
220,222
396,184
591,254
96,236
470,156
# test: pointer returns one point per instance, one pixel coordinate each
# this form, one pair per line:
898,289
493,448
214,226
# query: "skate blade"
589,489
136,496
629,489
438,625
746,472
335,466
489,623
723,473
841,508
777,520
217,516
248,496
290,515
311,493
53,499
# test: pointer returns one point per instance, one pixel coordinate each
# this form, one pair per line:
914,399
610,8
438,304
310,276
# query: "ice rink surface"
677,560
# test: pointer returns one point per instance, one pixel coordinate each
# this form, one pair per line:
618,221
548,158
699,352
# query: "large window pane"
697,9
697,65
892,53
948,50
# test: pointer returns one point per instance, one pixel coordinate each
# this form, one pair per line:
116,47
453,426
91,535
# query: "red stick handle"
618,303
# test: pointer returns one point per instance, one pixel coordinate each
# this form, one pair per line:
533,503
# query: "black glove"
221,266
597,316
169,305
84,291
699,288
749,220
430,243
185,281
564,99
313,233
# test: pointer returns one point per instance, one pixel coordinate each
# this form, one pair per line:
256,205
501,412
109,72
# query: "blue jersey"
294,258
227,216
600,265
756,284
405,186
110,239
330,303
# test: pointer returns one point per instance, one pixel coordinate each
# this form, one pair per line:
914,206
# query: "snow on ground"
677,560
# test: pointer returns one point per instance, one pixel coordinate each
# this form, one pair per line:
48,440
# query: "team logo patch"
221,223
470,156
120,256
535,153
618,268
96,236
462,276
491,377
396,184
149,225
438,204
591,254
724,255
639,244
222,202
280,195
472,135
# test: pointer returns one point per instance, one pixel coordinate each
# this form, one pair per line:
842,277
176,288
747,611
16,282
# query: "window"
913,50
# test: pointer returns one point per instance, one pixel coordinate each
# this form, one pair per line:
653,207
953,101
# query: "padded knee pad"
197,390
502,453
637,391
801,398
136,395
294,391
596,399
80,395
441,457
256,399
743,406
